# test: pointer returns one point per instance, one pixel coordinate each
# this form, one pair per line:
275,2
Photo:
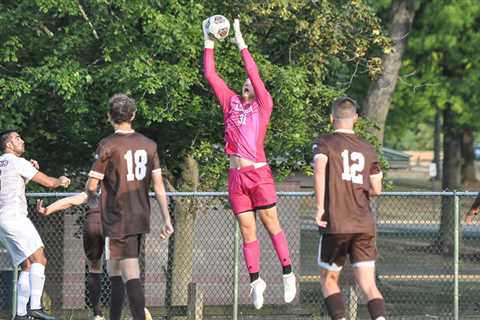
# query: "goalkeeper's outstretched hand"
208,41
238,35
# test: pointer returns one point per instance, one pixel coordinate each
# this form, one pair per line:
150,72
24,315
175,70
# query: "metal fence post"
236,257
456,255
14,291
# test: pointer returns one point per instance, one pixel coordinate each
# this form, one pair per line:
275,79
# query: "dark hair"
121,108
5,137
344,108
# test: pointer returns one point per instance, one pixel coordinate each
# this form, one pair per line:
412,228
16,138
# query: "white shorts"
20,238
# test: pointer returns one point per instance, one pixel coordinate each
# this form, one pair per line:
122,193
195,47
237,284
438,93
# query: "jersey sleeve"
220,88
261,93
26,169
320,149
102,156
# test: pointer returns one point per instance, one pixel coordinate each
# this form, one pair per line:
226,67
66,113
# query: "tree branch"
85,17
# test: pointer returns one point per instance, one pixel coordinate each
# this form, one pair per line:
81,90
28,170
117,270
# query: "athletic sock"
251,253
254,276
287,269
94,291
376,308
23,292
37,281
136,299
116,298
335,307
281,248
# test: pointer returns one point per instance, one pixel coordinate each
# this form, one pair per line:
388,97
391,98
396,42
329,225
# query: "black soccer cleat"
25,317
39,314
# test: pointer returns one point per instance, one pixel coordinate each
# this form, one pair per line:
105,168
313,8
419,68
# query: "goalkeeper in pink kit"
251,187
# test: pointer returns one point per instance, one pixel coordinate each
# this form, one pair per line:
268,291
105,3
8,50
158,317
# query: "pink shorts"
250,188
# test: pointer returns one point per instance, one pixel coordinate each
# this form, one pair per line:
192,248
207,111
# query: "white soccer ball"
218,27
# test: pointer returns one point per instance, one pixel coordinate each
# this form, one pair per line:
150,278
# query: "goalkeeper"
251,187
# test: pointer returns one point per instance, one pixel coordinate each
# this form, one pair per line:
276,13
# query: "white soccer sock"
23,292
37,280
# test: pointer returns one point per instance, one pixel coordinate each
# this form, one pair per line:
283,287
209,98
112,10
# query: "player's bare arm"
320,166
161,196
50,182
470,214
375,185
91,188
61,204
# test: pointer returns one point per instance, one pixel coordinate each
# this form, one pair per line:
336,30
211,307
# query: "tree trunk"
377,102
452,163
437,142
181,259
468,153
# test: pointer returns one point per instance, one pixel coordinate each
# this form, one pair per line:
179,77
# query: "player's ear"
355,118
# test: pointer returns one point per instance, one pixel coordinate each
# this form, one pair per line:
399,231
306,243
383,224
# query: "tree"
378,100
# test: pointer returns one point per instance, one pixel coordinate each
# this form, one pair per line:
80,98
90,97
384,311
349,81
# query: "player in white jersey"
17,233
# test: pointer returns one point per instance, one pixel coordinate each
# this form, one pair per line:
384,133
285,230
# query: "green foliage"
61,60
441,67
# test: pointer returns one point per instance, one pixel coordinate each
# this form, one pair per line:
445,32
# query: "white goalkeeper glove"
208,42
238,35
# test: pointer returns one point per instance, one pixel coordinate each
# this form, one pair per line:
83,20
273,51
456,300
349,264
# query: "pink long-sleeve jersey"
245,123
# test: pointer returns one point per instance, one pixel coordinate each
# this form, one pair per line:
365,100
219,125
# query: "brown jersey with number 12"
351,162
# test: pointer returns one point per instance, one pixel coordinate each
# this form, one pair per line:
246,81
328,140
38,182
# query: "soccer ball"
218,27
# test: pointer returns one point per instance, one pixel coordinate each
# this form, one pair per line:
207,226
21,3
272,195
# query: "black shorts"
123,248
333,250
93,239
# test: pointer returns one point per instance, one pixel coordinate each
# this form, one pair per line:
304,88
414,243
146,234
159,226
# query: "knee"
328,279
95,266
371,291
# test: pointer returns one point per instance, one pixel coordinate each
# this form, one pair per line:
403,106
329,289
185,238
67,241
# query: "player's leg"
264,198
93,244
37,282
251,253
243,209
268,216
363,256
128,251
117,295
331,258
23,290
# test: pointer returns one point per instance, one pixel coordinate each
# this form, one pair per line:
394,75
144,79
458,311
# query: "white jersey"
15,173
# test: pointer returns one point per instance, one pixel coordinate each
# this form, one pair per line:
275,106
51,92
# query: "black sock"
335,307
254,276
376,308
94,291
136,299
116,298
287,269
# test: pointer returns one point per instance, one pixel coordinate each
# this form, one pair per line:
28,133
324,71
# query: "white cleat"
148,316
289,287
257,288
98,318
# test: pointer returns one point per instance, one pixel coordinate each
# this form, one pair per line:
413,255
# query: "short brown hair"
121,108
344,108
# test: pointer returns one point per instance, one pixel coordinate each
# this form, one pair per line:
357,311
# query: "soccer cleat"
257,288
40,315
148,316
289,287
98,317
25,317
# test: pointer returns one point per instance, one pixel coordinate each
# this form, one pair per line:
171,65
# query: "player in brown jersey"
126,163
347,174
93,243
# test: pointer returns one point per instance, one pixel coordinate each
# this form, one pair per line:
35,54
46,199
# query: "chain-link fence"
427,267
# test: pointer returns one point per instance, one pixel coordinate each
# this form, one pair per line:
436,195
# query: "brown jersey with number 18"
351,162
125,162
